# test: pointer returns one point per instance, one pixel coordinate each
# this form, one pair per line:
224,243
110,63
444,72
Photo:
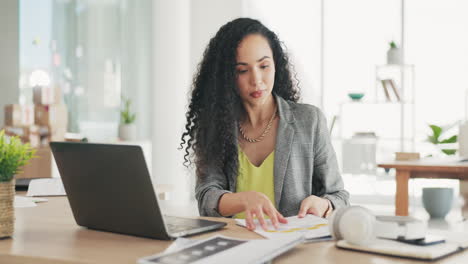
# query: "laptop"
109,189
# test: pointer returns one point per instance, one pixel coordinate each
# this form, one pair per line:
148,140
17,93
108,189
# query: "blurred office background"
96,52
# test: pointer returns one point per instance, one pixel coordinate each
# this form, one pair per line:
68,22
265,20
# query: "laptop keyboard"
177,224
176,229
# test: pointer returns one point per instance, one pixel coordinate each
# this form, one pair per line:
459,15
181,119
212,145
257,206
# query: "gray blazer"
305,164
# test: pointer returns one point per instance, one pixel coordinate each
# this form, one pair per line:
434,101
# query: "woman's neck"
258,115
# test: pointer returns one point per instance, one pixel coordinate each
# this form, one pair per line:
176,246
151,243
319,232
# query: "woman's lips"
256,94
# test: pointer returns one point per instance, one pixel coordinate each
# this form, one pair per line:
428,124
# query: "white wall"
181,29
171,78
437,44
298,25
207,16
137,74
356,39
9,54
299,32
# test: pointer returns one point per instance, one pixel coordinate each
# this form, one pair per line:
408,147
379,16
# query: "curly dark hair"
215,106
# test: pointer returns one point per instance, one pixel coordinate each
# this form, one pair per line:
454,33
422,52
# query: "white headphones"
357,225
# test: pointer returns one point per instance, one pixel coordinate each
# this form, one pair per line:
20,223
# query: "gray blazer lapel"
284,140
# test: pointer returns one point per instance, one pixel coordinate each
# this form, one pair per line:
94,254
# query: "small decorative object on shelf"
400,156
356,96
386,85
394,83
14,155
127,127
394,55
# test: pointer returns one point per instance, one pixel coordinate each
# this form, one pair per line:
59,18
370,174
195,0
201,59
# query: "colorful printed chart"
312,227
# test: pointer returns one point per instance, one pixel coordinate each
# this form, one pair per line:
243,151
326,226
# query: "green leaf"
13,155
452,139
449,151
436,131
126,117
432,140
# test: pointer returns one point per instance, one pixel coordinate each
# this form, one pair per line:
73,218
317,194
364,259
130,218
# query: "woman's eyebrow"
264,57
259,60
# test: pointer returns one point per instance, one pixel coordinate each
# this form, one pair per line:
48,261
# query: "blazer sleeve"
209,188
327,182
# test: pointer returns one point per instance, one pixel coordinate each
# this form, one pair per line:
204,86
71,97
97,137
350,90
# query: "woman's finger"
271,212
261,218
304,208
281,218
315,211
249,220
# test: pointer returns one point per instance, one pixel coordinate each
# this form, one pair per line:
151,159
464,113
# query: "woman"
257,151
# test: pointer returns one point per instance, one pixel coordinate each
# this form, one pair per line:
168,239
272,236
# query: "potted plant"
445,145
394,55
127,127
13,155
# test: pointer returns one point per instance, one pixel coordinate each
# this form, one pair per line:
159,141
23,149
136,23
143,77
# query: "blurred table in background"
425,168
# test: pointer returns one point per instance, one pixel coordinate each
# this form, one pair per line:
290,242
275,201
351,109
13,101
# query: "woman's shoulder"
305,119
304,111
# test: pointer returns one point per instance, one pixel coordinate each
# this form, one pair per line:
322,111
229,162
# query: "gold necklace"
265,132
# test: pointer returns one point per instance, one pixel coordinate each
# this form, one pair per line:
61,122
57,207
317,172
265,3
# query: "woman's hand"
314,205
256,204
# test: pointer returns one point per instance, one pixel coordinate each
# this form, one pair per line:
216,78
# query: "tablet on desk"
427,241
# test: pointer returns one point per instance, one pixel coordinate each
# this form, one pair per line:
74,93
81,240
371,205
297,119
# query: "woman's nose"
256,78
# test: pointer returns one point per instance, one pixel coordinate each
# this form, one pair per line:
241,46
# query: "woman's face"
255,70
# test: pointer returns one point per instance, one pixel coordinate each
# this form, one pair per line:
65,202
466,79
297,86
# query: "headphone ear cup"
357,226
333,222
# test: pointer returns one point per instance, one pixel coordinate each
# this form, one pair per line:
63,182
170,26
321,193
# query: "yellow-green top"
252,178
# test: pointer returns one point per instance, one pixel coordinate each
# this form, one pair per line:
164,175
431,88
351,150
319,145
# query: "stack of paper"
455,242
220,249
46,187
395,248
312,227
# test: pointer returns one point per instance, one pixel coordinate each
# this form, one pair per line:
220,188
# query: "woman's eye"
264,66
241,71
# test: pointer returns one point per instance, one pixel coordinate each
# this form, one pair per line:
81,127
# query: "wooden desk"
49,231
425,168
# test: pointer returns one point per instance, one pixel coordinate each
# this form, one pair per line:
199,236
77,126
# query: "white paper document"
46,187
180,243
459,238
312,227
221,249
22,202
